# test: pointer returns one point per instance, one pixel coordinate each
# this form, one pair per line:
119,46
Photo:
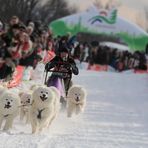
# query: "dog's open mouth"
28,101
43,98
7,106
77,99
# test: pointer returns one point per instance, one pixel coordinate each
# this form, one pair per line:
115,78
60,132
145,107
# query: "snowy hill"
116,116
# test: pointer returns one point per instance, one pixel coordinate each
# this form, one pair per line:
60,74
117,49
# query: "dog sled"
57,78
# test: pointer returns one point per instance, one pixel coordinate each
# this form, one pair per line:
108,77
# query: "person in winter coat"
63,63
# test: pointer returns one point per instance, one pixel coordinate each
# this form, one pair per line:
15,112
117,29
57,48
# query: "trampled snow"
116,115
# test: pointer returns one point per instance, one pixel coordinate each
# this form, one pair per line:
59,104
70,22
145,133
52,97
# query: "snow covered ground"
116,116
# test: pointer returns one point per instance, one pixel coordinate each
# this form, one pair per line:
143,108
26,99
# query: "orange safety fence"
49,56
139,71
97,67
17,77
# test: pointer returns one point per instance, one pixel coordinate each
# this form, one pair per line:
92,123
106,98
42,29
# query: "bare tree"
54,9
21,8
32,9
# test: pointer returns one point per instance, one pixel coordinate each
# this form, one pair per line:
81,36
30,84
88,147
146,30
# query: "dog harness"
6,115
39,113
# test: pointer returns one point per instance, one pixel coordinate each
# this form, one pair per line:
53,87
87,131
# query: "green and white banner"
106,22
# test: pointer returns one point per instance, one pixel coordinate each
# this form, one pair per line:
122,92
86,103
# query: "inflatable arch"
102,22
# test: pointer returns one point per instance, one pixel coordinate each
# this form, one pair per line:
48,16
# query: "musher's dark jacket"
59,65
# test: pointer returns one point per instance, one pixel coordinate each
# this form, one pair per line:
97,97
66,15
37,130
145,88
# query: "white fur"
2,89
44,108
57,97
26,101
33,87
9,108
76,100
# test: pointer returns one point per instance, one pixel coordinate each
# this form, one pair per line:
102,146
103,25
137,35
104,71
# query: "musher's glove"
74,69
49,65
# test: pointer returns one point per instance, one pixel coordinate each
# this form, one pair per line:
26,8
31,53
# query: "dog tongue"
43,98
77,99
7,106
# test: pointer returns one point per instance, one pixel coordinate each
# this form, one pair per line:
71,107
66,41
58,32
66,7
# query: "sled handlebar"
57,71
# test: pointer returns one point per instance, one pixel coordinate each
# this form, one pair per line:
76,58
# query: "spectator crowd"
27,43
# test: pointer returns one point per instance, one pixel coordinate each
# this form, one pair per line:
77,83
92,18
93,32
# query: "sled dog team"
39,106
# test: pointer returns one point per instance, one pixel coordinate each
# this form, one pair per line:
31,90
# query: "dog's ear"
20,94
33,87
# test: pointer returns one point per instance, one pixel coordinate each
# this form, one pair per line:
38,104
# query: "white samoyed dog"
9,108
26,101
76,100
45,106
